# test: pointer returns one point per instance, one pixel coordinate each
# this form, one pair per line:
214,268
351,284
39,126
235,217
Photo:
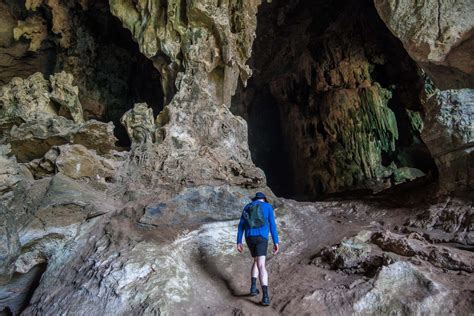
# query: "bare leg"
254,268
263,271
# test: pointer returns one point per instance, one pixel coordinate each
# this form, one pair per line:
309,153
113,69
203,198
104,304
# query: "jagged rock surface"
200,140
32,123
86,229
335,96
140,124
449,133
214,37
35,98
126,265
438,35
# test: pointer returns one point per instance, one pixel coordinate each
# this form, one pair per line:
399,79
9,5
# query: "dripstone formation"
133,133
440,39
342,95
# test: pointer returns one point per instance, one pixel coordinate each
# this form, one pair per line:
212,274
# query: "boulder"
33,139
449,135
438,35
349,254
74,161
401,288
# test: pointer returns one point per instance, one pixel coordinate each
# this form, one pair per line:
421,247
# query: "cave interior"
333,104
314,63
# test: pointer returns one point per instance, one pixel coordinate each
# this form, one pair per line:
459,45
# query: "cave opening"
113,73
334,101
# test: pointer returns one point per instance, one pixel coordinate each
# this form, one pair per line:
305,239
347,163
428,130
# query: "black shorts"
257,245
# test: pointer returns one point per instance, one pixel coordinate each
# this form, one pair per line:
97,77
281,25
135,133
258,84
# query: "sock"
265,290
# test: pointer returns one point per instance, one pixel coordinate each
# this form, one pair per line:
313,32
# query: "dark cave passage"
334,101
120,75
111,73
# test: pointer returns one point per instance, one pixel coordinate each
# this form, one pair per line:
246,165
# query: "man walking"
257,220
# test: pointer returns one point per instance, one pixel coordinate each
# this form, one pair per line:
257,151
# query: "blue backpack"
254,215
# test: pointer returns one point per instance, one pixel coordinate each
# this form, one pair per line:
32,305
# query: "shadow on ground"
214,270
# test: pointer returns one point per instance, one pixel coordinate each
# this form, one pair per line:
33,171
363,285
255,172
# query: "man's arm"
240,230
273,228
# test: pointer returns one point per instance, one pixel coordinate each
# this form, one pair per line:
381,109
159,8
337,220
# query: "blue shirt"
263,231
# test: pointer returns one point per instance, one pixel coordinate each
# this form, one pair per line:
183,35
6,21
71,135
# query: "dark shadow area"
16,295
315,66
117,73
265,135
215,272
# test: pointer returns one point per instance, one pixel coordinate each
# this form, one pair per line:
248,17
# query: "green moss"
416,121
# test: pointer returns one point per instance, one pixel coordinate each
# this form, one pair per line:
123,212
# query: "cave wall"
110,231
200,49
86,40
211,42
439,36
344,93
190,57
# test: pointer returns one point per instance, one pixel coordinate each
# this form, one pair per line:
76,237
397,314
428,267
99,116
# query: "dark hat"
258,196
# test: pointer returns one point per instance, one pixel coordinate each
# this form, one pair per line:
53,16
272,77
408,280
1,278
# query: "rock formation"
31,118
140,124
124,165
440,38
438,35
340,93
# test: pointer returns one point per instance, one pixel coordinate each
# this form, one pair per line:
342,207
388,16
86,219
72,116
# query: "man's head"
259,196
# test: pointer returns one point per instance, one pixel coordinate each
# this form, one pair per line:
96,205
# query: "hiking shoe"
254,292
265,301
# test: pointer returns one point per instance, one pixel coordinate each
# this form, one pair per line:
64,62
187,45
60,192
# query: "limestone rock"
340,98
95,135
10,247
449,134
33,139
415,245
33,28
200,49
452,216
16,59
438,35
139,123
407,174
205,202
67,95
15,295
401,288
24,100
214,37
56,219
10,174
74,161
350,253
61,22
